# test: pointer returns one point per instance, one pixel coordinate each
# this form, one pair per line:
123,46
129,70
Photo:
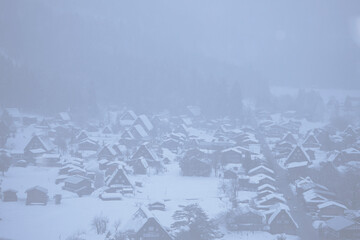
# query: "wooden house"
37,195
107,130
140,166
88,145
118,181
107,152
311,142
289,138
331,208
37,146
298,155
81,137
10,195
341,228
280,220
232,155
196,166
144,152
245,219
79,185
269,200
127,118
171,144
145,226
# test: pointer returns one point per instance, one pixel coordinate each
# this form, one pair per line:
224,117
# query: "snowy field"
74,214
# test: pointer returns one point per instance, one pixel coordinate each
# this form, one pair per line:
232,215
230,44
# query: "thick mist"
161,54
180,119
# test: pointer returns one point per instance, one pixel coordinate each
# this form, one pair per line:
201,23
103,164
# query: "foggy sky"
118,47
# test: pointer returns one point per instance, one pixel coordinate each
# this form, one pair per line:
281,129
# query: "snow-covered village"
179,120
270,175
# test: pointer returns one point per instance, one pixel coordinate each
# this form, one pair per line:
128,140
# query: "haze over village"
179,120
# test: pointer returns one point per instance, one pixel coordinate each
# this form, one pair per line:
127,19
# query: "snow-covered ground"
75,214
254,236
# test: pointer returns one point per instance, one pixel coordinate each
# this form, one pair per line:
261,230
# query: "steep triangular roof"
260,167
37,188
311,140
297,155
144,121
279,211
144,151
127,135
289,138
140,219
128,115
109,149
138,131
118,178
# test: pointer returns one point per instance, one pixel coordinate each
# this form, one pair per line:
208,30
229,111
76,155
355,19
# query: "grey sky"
169,43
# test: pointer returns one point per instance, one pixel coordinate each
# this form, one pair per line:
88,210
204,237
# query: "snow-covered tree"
192,223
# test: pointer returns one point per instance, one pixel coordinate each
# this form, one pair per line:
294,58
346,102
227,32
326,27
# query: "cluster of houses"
143,224
105,157
336,221
34,195
266,210
313,153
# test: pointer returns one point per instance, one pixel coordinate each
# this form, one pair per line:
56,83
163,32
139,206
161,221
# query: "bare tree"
281,237
117,225
100,224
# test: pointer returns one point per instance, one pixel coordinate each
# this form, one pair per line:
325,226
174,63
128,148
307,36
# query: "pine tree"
192,223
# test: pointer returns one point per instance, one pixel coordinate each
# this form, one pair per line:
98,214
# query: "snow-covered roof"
64,116
140,130
117,173
194,110
51,155
146,122
260,167
295,150
262,187
258,177
277,212
331,203
128,115
311,196
140,217
270,196
296,165
38,188
351,151
338,223
109,148
76,179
